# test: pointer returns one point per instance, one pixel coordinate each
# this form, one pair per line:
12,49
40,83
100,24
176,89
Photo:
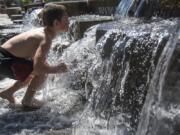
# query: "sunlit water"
161,111
96,95
64,99
124,7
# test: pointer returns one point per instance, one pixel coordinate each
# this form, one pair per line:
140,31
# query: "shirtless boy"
23,57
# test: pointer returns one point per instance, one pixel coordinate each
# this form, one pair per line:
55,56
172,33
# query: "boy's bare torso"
26,44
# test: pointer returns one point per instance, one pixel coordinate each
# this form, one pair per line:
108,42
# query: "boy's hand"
62,67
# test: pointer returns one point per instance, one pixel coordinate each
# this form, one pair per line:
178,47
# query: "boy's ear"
56,22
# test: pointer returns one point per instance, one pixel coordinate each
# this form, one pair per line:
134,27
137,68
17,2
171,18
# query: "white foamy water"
63,103
77,102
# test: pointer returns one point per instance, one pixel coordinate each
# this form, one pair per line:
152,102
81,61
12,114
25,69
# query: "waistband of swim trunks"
6,52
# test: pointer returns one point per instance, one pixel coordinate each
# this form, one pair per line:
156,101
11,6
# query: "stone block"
18,21
86,21
79,7
75,8
2,10
13,10
102,7
162,8
16,17
102,29
103,3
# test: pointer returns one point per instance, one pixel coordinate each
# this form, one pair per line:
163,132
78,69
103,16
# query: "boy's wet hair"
52,12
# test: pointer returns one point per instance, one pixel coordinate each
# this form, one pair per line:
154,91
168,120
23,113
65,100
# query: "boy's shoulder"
36,34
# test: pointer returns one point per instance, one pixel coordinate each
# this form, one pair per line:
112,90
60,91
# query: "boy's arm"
40,64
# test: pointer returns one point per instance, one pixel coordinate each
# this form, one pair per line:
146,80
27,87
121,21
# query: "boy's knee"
40,78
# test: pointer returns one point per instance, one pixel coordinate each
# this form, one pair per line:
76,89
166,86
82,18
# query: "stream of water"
105,89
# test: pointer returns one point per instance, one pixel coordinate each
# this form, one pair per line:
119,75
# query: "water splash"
156,110
32,19
115,95
105,88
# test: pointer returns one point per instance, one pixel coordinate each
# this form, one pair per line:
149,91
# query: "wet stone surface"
7,28
5,20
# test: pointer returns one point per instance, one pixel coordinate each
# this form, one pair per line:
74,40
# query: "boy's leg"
29,99
8,93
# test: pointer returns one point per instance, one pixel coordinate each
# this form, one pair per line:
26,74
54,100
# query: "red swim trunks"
14,67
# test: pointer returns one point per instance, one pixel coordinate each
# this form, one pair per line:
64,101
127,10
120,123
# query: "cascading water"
13,122
31,19
105,89
120,81
148,8
124,7
160,115
58,89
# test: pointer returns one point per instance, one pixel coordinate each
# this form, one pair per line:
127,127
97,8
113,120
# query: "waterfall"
105,88
31,19
124,7
148,8
157,110
123,82
121,75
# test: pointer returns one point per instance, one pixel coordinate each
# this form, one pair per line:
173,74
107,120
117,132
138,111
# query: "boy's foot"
34,104
6,95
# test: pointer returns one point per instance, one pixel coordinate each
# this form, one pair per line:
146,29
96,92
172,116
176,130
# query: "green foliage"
25,1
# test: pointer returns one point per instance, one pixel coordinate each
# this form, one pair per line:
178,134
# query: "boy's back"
26,44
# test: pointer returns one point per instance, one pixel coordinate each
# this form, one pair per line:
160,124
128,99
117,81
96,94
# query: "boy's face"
64,23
